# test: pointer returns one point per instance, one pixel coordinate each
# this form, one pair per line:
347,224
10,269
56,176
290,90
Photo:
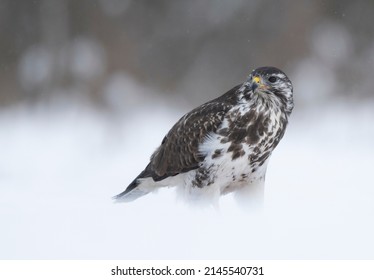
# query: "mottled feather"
179,150
223,145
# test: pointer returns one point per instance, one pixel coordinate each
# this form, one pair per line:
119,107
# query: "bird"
222,146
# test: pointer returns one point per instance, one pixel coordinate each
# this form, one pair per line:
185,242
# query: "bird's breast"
255,128
241,146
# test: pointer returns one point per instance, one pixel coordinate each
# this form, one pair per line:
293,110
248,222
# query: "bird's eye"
272,79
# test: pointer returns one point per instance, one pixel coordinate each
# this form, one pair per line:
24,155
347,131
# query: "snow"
59,169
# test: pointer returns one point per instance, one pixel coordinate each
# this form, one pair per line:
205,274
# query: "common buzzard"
223,145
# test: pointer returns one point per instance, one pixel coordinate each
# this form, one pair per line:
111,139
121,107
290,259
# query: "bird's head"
271,83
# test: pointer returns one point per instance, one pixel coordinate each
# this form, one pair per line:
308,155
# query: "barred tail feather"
146,182
131,193
136,189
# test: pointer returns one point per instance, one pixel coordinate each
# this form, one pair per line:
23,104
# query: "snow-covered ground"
60,168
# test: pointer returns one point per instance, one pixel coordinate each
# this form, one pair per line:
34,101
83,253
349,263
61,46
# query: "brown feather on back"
178,152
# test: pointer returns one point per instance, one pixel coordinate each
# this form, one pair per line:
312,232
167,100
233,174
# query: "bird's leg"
216,206
251,197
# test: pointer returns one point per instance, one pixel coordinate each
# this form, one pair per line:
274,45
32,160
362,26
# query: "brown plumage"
231,136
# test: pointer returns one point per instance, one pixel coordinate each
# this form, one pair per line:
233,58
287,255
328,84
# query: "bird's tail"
135,189
131,193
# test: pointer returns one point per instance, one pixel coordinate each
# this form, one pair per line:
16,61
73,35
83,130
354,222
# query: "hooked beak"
257,83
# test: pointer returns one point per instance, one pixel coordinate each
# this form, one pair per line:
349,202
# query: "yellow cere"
256,79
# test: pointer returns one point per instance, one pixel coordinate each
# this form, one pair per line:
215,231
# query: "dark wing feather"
178,152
